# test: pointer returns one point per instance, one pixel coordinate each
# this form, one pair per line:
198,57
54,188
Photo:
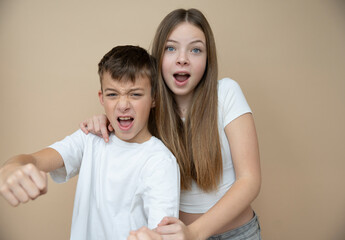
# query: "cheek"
200,67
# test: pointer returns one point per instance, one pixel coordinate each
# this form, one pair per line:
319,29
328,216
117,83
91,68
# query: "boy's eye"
136,94
111,95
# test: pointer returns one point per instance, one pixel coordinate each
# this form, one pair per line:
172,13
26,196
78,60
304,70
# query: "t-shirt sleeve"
232,100
71,149
161,183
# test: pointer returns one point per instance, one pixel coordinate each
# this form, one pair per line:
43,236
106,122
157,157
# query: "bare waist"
243,218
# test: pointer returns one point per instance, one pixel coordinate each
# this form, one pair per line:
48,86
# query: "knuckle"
11,181
30,167
19,173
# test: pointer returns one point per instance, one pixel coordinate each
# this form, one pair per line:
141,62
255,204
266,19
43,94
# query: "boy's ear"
100,96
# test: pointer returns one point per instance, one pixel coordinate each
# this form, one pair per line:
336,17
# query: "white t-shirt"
231,104
121,187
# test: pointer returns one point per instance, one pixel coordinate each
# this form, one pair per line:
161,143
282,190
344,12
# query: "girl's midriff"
243,218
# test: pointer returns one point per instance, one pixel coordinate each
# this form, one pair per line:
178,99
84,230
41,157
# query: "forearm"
227,209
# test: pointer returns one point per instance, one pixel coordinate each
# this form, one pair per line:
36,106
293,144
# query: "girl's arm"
98,125
23,177
241,134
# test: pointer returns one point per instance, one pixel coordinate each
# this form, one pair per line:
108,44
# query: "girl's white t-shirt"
231,105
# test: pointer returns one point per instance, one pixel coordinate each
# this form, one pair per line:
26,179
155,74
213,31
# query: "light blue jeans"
249,231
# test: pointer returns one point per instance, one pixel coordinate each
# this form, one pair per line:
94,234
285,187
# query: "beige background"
288,56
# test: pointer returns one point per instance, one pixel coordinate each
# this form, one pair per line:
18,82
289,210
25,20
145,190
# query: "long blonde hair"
195,142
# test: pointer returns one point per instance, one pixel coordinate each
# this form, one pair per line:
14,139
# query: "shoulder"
158,152
227,85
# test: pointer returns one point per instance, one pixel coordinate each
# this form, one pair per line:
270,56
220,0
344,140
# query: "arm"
161,189
97,125
241,134
23,177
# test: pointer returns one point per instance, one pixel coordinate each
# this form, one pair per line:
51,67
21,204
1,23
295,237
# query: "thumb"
167,221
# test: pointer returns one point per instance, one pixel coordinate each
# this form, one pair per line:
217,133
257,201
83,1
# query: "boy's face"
127,106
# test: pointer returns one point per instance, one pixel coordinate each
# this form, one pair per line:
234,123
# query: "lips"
125,123
181,78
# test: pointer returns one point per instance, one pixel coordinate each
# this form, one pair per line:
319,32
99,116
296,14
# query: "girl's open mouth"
181,78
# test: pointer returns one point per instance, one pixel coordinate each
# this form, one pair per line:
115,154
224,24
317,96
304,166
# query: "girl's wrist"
196,233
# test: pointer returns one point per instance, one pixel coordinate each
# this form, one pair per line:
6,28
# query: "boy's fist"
21,183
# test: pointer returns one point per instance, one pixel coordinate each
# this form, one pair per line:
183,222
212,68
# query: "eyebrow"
192,42
130,90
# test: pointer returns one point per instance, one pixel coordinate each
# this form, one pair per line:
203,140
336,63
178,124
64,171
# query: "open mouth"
181,77
125,122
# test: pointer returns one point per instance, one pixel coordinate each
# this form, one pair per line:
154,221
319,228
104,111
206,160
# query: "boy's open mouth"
125,121
181,77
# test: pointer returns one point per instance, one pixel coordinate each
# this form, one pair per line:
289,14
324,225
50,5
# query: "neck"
183,103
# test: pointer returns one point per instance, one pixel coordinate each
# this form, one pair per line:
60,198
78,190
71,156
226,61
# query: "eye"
169,48
196,50
136,95
111,94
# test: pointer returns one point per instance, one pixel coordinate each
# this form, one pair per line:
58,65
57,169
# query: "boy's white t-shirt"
121,187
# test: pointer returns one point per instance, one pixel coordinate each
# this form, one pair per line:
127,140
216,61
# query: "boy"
129,182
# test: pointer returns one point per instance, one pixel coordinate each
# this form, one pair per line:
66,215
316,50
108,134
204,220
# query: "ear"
153,104
100,96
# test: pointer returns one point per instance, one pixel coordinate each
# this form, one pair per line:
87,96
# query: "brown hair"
195,142
127,63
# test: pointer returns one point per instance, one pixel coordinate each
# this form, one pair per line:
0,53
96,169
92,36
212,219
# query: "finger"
83,127
105,134
132,236
96,124
90,126
167,221
110,127
35,175
9,197
44,176
16,189
169,237
29,187
171,228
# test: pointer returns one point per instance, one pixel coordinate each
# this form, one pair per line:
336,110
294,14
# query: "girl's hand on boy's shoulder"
98,125
21,183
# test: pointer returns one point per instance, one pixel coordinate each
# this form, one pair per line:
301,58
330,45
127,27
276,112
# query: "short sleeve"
232,101
71,149
161,189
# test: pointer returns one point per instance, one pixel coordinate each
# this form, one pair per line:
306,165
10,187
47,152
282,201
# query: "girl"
208,126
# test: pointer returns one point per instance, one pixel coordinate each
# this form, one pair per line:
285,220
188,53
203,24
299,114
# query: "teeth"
124,118
182,74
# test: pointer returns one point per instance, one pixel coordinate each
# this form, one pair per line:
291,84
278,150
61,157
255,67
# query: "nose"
182,59
123,104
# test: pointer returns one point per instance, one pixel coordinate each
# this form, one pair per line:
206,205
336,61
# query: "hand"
21,183
97,125
144,234
171,228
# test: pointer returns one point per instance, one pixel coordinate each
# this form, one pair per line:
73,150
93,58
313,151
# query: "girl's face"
184,59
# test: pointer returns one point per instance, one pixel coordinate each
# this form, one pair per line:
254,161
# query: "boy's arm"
23,177
162,190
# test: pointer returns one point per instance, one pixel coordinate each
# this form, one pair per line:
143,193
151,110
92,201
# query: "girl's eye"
169,48
196,50
136,94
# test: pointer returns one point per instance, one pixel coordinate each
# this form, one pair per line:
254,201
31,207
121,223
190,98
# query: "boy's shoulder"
157,144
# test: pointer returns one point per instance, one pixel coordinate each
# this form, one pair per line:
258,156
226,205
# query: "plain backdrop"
288,57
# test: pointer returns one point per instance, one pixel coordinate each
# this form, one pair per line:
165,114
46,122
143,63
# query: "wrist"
196,233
